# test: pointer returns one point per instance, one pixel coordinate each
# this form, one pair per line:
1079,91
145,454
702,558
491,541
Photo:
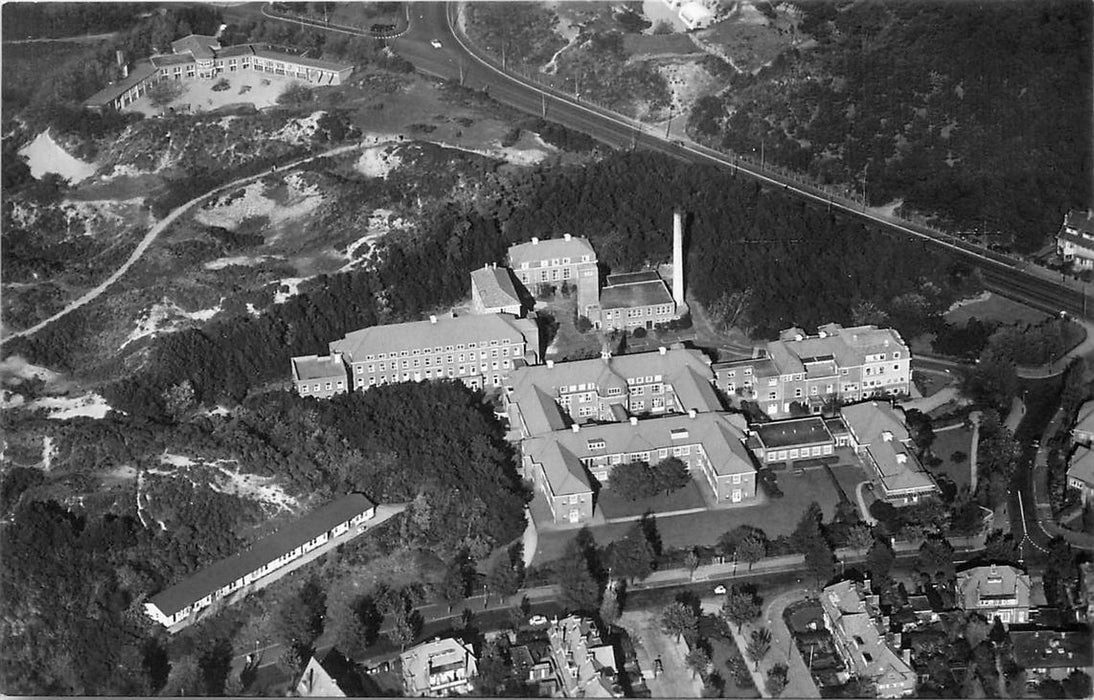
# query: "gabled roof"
1082,466
265,52
141,70
848,347
981,585
315,367
1080,221
870,656
495,287
446,330
216,576
1084,419
572,247
201,46
633,277
869,420
899,469
418,661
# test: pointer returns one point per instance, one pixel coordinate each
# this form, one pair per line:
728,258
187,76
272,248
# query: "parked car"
537,620
719,590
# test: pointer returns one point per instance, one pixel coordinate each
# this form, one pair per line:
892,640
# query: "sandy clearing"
378,161
165,318
44,156
15,369
298,131
516,156
293,283
887,210
175,461
243,260
49,451
304,198
63,407
222,476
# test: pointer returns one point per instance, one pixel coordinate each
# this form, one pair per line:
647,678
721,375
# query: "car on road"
537,620
719,590
435,44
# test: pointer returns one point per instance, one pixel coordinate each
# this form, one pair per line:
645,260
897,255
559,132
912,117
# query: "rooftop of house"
635,294
1084,418
1081,466
633,277
263,51
576,644
1044,649
761,367
331,675
436,332
871,420
316,367
1079,221
572,247
141,70
987,584
495,287
847,347
289,537
435,656
171,59
846,607
561,452
796,431
899,469
201,46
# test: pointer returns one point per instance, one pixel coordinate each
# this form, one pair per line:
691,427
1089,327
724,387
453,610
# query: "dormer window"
596,444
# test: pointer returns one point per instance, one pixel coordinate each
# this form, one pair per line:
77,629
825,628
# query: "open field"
995,308
748,38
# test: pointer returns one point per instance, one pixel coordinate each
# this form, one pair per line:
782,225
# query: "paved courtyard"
244,87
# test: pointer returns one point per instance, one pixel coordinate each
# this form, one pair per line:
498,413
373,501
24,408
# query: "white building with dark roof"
321,377
438,668
1075,240
1083,430
551,261
881,440
791,440
995,591
635,300
493,291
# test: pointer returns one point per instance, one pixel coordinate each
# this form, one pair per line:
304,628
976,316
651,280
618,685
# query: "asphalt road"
454,60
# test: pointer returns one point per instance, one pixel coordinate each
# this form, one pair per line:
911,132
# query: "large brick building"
551,261
880,438
848,364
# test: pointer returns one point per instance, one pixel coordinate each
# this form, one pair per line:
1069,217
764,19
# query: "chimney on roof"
634,420
535,241
902,459
799,336
432,319
606,355
886,436
567,237
662,349
692,413
550,364
576,428
822,334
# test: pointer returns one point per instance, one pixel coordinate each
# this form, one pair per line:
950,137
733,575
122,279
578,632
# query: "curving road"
457,59
156,230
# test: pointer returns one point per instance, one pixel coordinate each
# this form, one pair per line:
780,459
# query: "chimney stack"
567,237
576,428
692,413
550,364
432,319
634,420
535,241
662,349
678,259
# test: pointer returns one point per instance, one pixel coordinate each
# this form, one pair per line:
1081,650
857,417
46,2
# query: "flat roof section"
797,431
629,296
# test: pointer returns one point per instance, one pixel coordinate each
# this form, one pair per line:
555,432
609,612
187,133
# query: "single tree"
670,474
776,679
740,606
610,607
698,660
879,559
457,579
679,619
633,481
691,561
631,557
935,561
505,576
402,628
759,645
580,590
860,537
751,549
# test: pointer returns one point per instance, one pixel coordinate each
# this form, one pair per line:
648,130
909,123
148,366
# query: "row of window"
447,348
798,453
430,361
551,262
327,386
380,380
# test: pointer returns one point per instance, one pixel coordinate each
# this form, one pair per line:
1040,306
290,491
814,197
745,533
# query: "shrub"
221,85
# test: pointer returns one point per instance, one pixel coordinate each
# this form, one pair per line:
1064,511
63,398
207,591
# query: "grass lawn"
930,382
612,505
944,445
995,308
775,517
849,475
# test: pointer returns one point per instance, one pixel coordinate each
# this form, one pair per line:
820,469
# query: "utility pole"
543,111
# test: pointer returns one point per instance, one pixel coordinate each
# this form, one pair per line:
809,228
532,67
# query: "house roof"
315,367
871,657
761,366
982,585
1084,418
265,52
847,347
1080,221
633,277
331,675
417,662
576,643
446,330
1044,649
634,294
289,537
494,286
200,45
899,469
572,247
870,420
140,71
1082,465
796,431
171,59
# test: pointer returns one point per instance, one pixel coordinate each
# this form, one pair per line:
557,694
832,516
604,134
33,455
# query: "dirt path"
157,229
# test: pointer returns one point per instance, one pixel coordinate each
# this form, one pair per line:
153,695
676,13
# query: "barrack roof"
635,294
446,330
551,248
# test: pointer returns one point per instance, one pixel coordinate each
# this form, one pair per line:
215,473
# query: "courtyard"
243,88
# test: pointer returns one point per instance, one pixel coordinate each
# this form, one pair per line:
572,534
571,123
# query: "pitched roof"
1036,649
418,661
987,583
141,70
633,277
1080,221
171,59
899,469
1082,466
539,411
495,287
869,420
200,45
446,330
265,52
572,247
289,537
315,367
630,295
870,656
796,431
848,347
1084,419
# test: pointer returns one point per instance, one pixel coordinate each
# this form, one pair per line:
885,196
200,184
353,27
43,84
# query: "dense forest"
37,20
74,577
977,112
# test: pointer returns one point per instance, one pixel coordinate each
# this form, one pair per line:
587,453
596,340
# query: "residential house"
202,57
479,350
562,463
1075,241
493,291
330,676
799,373
853,618
1080,472
1048,653
791,440
995,591
881,440
247,570
321,377
1083,430
532,664
548,397
634,300
583,665
552,261
438,668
